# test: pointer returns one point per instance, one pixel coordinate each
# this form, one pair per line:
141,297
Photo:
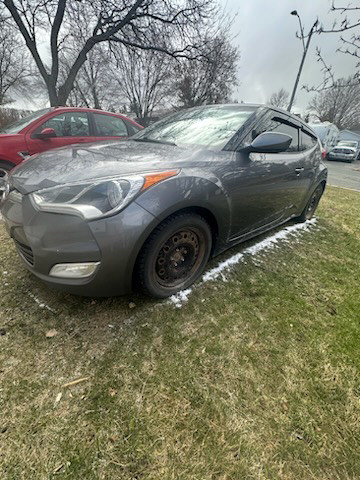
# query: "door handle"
299,170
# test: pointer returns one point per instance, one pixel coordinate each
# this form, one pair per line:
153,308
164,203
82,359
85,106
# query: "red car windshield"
17,126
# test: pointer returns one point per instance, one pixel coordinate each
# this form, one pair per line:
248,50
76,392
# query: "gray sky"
265,32
271,53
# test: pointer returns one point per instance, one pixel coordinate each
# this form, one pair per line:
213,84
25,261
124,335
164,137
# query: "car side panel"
190,190
11,148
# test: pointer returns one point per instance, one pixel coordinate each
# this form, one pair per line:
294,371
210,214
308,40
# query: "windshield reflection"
206,127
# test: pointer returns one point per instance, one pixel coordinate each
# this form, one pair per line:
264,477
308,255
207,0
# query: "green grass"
254,378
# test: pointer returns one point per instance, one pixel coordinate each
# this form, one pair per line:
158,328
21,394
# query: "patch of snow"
180,298
40,303
267,243
222,268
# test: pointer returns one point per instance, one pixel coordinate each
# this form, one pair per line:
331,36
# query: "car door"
264,188
108,127
70,127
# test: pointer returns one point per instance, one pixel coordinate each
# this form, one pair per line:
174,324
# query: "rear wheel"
174,256
312,204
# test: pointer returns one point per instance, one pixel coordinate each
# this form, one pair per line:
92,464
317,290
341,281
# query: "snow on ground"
285,235
40,303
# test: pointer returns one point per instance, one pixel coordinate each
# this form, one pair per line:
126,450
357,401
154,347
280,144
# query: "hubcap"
179,257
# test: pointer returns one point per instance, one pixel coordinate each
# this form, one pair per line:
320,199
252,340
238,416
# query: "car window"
206,127
69,124
278,125
109,126
17,126
132,128
307,141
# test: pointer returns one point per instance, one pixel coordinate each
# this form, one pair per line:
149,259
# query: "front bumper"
45,239
342,157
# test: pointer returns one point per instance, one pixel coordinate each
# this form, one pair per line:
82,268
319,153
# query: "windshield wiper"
152,140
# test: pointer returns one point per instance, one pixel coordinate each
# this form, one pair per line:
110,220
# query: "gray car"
101,219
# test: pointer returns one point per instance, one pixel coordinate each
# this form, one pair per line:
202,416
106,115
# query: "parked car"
343,153
352,144
57,127
150,211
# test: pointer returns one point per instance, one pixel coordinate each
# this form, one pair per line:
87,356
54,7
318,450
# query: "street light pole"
306,48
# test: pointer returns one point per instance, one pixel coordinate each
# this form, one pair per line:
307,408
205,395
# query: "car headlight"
90,200
97,198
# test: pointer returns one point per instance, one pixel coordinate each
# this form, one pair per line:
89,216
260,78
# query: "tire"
174,256
312,204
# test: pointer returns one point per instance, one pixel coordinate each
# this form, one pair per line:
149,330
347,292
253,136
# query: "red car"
57,127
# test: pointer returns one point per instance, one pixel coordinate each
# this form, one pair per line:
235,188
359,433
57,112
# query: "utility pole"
306,48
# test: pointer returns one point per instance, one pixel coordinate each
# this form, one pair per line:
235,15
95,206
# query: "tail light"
323,153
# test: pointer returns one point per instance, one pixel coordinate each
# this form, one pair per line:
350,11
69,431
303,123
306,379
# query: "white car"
352,144
343,153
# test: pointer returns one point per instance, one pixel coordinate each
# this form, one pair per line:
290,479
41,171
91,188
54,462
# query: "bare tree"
346,24
134,23
279,99
339,104
94,87
14,74
141,79
209,79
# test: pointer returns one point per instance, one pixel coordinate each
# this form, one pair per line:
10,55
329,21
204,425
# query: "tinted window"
109,126
69,124
307,141
278,125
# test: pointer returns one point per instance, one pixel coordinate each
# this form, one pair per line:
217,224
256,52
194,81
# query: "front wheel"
312,204
174,256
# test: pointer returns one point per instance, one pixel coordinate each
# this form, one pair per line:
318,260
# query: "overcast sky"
271,53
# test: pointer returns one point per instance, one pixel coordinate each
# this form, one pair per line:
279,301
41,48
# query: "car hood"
99,160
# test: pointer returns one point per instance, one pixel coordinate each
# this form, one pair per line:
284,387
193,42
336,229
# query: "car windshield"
17,126
206,127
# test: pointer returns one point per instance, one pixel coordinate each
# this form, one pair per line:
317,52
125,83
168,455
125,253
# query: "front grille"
25,252
343,152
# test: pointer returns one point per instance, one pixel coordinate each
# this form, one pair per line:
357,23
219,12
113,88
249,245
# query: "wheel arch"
323,184
202,211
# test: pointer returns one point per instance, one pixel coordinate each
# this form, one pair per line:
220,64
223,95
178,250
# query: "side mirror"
271,142
46,133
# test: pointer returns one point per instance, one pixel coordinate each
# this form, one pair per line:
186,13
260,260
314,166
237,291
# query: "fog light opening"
74,270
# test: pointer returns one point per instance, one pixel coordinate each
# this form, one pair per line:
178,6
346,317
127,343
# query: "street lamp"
305,48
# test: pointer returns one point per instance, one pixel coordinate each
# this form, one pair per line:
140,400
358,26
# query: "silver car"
343,153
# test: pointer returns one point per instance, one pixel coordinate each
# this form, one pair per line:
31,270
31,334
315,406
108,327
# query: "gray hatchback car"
148,212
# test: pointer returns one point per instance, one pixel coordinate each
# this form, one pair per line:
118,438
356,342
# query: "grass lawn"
256,377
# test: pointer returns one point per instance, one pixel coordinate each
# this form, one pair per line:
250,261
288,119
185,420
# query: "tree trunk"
53,95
